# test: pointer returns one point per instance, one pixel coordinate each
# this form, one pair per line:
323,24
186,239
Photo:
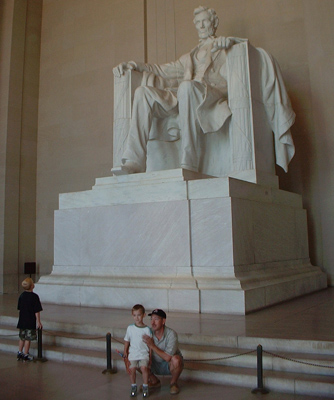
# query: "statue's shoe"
189,168
131,167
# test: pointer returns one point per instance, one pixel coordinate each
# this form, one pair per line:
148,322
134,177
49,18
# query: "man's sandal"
174,389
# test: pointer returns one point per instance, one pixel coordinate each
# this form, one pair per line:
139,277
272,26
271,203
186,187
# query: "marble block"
181,242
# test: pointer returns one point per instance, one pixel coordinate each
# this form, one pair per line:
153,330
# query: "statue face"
204,25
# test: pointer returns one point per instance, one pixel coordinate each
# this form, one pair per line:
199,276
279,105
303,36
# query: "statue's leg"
148,102
190,95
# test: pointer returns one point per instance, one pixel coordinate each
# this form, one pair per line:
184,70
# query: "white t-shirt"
138,349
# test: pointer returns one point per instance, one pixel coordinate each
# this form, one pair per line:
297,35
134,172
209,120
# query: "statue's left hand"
222,42
124,66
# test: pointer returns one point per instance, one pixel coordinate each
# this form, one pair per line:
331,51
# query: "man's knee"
176,362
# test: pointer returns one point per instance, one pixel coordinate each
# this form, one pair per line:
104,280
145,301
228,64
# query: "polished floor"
307,318
55,381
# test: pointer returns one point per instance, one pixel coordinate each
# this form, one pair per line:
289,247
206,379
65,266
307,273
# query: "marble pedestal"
180,241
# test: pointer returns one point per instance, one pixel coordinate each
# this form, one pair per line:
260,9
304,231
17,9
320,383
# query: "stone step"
227,375
276,381
287,361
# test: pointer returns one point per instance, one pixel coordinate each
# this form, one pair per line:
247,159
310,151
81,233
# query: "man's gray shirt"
168,343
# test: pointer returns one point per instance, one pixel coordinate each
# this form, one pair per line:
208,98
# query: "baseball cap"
159,313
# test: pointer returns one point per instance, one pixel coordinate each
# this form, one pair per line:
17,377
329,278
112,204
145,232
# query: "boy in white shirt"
136,351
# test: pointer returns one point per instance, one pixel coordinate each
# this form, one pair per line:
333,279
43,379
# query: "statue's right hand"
122,67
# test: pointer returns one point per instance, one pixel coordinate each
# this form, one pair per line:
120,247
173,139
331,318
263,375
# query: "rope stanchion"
260,388
40,347
110,369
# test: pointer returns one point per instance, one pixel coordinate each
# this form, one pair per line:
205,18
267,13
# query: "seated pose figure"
167,358
195,91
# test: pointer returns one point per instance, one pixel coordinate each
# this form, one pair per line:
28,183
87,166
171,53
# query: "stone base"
182,242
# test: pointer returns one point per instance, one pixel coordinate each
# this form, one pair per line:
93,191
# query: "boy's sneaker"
133,392
27,357
19,356
145,391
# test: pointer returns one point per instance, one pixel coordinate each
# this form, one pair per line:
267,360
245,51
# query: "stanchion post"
260,388
110,369
40,346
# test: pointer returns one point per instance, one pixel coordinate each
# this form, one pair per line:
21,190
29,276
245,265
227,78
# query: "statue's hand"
222,42
122,67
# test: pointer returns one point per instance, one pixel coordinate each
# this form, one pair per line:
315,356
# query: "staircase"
226,360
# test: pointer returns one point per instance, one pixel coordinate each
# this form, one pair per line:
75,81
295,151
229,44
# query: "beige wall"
83,40
6,12
19,72
29,128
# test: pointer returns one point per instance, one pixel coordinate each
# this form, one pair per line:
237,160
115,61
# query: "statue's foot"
131,167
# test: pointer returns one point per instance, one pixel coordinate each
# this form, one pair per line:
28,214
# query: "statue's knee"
142,92
185,88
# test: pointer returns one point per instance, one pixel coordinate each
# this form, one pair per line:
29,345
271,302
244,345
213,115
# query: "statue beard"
209,32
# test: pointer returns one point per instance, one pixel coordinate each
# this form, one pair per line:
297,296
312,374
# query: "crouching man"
166,356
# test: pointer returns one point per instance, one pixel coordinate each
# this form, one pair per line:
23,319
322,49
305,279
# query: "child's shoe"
145,391
19,356
27,357
133,392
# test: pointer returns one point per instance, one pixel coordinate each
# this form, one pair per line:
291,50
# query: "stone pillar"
19,72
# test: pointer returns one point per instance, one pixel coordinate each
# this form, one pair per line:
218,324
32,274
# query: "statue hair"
213,16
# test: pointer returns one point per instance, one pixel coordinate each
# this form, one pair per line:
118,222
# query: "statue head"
206,21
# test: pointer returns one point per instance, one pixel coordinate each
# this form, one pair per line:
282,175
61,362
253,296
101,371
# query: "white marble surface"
222,301
176,184
211,232
137,188
223,246
133,235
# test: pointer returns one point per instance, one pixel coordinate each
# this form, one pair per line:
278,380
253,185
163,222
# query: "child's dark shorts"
28,334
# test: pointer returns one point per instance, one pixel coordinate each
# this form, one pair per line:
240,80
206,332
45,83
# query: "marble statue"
215,236
192,93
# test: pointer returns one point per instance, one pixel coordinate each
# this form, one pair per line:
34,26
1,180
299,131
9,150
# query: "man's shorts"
160,368
138,363
28,334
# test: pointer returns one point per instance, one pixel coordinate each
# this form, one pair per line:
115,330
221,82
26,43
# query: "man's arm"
152,346
172,70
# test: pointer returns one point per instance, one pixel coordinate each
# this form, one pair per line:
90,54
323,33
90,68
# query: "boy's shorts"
138,363
28,334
